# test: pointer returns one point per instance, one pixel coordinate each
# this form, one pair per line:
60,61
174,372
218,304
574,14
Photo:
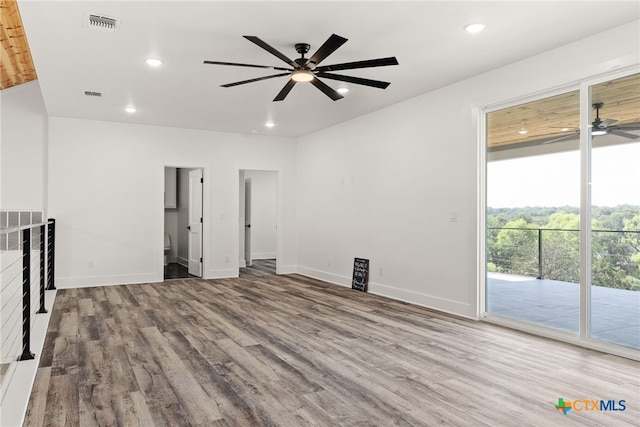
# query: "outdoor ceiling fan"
307,69
601,127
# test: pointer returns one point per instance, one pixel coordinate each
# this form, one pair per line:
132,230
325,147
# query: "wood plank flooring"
266,350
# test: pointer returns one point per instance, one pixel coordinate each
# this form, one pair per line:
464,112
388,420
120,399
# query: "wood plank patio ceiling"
15,57
546,117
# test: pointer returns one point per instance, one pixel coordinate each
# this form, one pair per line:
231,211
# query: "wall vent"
92,93
102,23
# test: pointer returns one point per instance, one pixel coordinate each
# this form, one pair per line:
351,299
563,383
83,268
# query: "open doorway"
258,222
183,220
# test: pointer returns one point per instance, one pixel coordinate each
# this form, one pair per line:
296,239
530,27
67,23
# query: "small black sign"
360,274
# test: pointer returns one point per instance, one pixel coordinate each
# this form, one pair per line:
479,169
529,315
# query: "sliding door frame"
581,339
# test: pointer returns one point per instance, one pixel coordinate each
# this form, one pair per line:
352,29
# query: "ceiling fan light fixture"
598,132
342,90
302,76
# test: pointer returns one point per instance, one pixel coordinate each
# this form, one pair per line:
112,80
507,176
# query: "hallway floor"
177,271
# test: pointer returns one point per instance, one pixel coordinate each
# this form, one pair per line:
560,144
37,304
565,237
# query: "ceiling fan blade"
235,64
624,134
327,48
272,50
571,135
629,127
254,80
380,62
326,89
606,123
357,80
285,90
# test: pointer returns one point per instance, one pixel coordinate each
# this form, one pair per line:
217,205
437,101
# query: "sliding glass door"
555,194
614,314
533,212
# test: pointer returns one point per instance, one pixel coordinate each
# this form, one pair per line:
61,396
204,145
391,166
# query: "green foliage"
513,234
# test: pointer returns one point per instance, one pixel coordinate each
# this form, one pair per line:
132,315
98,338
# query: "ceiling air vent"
102,23
93,94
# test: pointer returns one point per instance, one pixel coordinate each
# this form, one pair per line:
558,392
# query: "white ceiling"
427,38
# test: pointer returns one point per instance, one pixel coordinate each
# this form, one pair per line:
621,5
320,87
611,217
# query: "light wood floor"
265,350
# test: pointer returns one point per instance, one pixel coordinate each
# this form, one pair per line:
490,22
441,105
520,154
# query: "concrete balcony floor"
615,313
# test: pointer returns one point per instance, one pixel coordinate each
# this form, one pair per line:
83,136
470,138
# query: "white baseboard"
90,281
223,273
424,300
287,269
182,261
325,276
263,255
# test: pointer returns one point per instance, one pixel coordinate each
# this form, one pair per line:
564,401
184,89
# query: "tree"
515,250
561,249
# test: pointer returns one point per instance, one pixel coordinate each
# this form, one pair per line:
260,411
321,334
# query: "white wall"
263,214
106,185
23,148
387,186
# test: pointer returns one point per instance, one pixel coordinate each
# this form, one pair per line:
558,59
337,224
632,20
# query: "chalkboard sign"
360,274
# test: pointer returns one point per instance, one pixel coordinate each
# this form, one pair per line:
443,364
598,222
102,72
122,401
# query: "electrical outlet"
90,265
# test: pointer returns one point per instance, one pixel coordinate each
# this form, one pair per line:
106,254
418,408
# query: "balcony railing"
553,253
27,255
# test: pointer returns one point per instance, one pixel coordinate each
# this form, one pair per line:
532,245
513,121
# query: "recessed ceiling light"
474,28
153,62
130,109
564,129
269,124
523,131
342,90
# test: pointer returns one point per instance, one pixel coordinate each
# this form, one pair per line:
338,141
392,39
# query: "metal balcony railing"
27,256
554,253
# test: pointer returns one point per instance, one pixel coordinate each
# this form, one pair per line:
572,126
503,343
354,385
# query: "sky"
554,179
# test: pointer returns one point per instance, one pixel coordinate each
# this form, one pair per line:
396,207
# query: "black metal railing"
44,237
527,251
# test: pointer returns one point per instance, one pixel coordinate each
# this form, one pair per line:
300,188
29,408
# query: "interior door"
195,222
247,221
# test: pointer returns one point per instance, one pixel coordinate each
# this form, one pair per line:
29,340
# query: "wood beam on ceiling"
15,57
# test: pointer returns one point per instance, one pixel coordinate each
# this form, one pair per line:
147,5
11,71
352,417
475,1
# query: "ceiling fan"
307,69
601,127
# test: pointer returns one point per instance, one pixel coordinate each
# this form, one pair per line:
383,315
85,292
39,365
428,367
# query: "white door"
195,222
247,221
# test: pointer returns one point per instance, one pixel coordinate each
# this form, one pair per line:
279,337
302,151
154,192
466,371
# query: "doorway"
258,219
183,221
